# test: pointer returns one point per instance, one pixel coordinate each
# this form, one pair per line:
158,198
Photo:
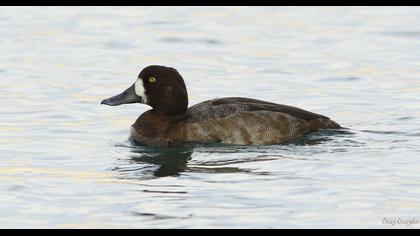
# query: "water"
66,161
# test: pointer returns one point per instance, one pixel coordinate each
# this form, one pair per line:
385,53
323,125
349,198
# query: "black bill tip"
105,102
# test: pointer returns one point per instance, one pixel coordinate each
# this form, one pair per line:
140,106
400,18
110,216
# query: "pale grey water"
66,161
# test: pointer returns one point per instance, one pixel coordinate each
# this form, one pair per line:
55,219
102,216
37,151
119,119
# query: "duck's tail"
322,123
333,125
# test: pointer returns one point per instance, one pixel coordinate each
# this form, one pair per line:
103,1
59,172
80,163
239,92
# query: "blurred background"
66,161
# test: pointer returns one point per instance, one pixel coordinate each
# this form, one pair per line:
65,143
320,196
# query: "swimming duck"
230,120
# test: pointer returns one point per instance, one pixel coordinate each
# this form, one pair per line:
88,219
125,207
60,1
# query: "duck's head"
160,87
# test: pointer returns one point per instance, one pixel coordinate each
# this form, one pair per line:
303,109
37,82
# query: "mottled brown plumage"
231,120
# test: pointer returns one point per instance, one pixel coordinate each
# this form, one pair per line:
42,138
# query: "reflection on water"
159,161
145,162
148,162
66,161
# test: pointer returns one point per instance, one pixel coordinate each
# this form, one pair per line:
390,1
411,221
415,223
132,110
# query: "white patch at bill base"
140,91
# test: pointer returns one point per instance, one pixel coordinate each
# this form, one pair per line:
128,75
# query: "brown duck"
230,120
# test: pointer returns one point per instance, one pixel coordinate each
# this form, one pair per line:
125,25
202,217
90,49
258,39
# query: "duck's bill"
126,97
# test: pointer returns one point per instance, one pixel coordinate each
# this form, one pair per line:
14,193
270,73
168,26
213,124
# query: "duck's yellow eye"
152,79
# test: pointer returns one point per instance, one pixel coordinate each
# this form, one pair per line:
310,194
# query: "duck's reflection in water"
161,161
151,162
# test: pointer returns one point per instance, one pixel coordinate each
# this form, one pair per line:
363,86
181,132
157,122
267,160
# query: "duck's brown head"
160,87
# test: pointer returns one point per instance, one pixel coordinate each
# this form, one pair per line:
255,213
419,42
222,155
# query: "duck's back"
236,120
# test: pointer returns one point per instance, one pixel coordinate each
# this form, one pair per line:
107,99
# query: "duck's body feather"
231,120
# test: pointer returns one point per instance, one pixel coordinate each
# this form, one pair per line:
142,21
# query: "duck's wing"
225,107
238,120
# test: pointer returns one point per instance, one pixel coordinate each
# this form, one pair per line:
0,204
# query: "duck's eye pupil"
152,79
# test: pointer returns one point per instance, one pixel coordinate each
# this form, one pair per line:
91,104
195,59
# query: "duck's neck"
153,123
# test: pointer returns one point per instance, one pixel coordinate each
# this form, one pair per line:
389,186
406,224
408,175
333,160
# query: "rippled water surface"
66,161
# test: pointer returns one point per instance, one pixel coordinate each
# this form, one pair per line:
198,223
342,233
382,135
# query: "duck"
228,120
